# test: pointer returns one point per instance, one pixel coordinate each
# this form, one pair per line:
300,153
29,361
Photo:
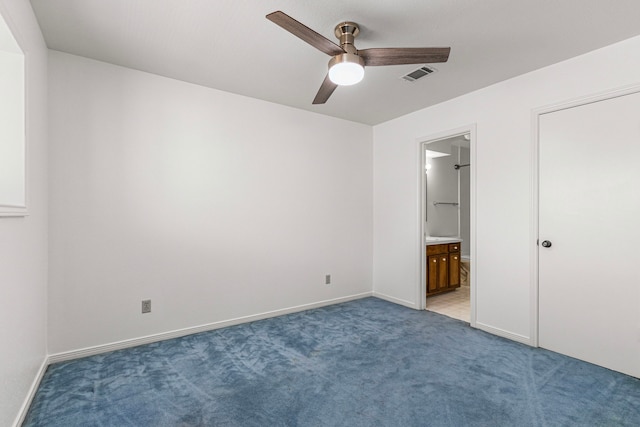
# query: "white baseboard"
395,300
22,414
134,342
505,334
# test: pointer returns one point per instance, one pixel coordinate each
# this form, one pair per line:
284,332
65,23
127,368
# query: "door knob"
546,244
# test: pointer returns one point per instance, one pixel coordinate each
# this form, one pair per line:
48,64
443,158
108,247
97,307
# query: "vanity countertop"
429,240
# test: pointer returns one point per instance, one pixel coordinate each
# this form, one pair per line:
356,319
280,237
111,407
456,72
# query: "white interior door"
589,209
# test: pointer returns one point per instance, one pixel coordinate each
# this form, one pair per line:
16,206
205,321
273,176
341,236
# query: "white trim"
24,409
134,342
535,191
504,334
421,142
12,211
588,99
421,303
533,230
398,301
473,270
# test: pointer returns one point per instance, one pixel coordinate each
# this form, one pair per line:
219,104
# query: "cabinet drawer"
437,249
454,247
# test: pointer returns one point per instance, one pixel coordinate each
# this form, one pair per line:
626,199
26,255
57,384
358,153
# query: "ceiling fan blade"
325,91
316,40
404,55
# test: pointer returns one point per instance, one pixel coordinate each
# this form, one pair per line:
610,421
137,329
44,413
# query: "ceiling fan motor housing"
346,57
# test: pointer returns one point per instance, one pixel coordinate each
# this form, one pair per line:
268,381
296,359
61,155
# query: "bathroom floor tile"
455,304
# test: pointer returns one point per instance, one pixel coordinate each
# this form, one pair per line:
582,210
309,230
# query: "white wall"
212,205
23,241
504,134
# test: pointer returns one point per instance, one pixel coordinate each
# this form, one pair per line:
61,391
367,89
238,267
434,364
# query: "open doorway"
447,229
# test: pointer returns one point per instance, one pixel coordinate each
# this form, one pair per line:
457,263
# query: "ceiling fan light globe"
346,73
346,69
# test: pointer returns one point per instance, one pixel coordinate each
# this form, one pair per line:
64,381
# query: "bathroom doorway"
447,227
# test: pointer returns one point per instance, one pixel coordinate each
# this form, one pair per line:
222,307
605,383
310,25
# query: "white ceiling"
229,45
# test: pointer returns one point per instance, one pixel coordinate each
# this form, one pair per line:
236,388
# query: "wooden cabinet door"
443,271
454,270
432,273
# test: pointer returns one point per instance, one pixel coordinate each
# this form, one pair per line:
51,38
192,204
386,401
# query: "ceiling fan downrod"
346,32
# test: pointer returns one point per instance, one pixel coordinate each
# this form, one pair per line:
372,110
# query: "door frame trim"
535,188
421,212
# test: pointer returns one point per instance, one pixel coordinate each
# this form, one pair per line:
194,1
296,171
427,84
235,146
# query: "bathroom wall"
446,184
442,186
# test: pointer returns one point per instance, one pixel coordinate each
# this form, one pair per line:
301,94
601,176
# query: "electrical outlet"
146,306
327,279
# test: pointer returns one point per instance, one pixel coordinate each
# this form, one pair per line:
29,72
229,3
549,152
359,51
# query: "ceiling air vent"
418,74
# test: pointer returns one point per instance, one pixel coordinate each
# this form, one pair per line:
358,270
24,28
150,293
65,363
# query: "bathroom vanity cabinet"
443,267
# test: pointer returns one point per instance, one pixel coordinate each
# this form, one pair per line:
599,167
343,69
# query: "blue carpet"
361,363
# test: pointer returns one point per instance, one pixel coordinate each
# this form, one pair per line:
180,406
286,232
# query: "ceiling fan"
346,66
